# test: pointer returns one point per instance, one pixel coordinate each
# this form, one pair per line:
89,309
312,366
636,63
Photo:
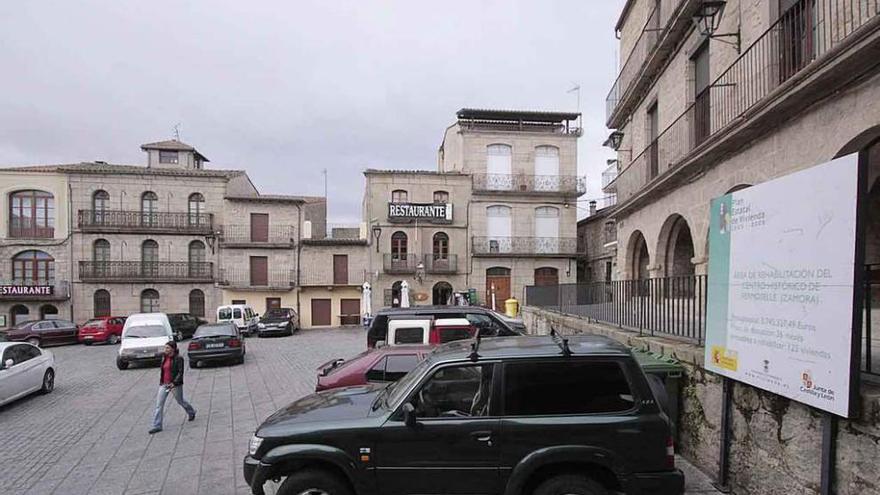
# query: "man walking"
171,381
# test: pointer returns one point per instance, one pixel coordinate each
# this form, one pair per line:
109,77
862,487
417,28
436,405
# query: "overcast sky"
284,89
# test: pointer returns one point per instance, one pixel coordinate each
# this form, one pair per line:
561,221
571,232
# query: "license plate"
213,346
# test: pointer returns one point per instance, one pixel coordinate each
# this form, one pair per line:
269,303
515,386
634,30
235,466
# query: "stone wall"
776,442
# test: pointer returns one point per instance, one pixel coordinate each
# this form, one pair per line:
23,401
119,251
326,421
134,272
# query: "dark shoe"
154,430
192,416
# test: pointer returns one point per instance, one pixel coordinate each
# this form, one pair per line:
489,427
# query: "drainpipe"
70,246
299,254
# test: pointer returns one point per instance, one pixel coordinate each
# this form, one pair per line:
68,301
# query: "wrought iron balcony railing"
146,271
400,263
525,246
281,235
138,221
275,279
441,264
31,232
801,36
324,276
529,184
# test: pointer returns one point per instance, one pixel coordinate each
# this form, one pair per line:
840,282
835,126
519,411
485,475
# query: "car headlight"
254,445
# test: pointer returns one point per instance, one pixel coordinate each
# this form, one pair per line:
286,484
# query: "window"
441,246
392,368
236,313
455,392
546,168
259,270
608,268
653,146
702,98
149,301
101,301
498,167
31,214
441,197
168,156
340,269
196,254
100,205
196,208
150,258
409,335
197,303
101,251
498,220
149,207
565,387
452,334
33,268
546,230
399,196
484,324
399,246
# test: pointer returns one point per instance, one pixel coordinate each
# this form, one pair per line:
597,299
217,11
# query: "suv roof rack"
475,348
561,342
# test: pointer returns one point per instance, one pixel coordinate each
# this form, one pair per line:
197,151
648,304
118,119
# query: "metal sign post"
724,455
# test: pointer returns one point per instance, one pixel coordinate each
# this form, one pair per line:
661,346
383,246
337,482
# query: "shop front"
20,302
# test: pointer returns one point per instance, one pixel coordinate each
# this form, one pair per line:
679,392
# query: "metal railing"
673,306
567,129
533,184
437,264
31,232
528,246
324,276
400,263
241,234
138,221
800,36
281,278
640,53
149,271
608,176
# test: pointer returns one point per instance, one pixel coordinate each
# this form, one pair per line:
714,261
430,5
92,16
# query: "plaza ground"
90,435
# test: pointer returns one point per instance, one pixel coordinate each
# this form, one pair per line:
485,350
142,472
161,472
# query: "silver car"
24,369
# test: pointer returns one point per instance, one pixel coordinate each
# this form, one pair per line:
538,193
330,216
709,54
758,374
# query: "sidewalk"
694,480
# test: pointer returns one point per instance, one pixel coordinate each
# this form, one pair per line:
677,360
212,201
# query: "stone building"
499,213
597,246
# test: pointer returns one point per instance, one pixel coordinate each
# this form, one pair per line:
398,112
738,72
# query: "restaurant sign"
432,212
27,290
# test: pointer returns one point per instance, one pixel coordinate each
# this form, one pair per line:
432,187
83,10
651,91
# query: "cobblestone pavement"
90,435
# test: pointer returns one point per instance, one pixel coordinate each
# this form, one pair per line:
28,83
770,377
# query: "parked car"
523,415
104,329
24,369
380,365
43,333
278,321
488,322
184,325
216,342
242,315
143,339
408,330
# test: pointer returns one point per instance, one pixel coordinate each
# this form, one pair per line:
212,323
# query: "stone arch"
638,259
675,247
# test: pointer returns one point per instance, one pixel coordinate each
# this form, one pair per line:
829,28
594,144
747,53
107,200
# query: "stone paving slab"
90,435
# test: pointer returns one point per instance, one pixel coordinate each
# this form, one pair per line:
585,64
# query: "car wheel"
240,359
48,381
34,341
121,364
313,482
87,342
570,484
193,364
114,339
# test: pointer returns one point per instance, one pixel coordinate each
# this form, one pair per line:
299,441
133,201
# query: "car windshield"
224,314
277,313
214,331
146,331
395,392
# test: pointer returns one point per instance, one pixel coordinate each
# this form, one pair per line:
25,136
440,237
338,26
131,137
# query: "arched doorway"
19,314
394,300
678,251
497,286
639,259
546,276
441,294
48,312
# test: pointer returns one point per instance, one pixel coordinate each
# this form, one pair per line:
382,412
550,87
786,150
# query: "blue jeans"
161,395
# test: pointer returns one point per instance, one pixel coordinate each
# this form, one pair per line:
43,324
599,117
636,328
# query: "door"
546,230
454,447
546,276
29,360
702,98
273,303
259,227
340,270
67,331
321,313
498,219
653,148
259,270
497,287
48,332
546,168
350,311
498,167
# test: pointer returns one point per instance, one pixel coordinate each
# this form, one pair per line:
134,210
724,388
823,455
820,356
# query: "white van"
242,315
143,339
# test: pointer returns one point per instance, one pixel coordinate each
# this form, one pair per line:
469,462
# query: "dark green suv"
513,416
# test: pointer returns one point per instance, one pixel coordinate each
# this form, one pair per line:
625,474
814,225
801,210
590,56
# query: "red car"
383,364
103,329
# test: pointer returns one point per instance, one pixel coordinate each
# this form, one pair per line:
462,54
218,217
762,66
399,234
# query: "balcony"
240,278
447,265
552,247
519,184
241,236
34,290
323,276
31,232
400,263
761,89
122,221
146,271
608,178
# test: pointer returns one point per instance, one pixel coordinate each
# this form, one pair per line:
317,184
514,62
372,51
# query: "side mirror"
8,364
409,414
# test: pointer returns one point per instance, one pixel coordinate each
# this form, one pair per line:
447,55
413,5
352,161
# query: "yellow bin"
511,307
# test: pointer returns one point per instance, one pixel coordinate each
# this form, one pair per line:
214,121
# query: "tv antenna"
177,131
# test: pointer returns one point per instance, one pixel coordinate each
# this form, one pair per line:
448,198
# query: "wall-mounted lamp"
707,19
377,233
615,139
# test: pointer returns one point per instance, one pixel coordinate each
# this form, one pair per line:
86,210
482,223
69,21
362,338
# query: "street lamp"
377,233
615,139
707,19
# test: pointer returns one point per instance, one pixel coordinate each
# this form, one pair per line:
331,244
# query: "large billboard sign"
782,261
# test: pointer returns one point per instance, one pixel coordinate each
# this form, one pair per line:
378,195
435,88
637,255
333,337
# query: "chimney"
592,207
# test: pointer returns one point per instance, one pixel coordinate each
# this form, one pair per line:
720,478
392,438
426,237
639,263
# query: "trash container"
670,372
472,297
511,307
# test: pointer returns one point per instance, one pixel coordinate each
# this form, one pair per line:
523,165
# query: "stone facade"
597,243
